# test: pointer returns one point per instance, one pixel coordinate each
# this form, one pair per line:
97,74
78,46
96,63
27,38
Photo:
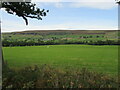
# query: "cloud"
98,5
10,26
55,4
94,1
58,5
73,0
46,0
75,26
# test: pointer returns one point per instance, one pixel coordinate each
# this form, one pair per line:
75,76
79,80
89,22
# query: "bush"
33,42
47,77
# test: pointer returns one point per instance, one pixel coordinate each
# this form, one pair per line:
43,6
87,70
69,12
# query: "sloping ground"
62,32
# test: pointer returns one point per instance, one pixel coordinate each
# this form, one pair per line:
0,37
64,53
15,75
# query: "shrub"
48,77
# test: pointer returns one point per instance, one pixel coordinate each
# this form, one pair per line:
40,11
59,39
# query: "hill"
63,32
54,37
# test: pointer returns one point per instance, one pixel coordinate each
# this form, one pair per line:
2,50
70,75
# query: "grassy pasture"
98,58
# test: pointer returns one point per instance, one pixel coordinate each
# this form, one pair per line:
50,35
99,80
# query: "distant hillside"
64,32
55,37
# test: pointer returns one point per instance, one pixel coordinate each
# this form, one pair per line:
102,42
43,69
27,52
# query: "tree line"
8,43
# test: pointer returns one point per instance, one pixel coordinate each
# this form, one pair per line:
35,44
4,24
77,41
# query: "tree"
118,2
24,10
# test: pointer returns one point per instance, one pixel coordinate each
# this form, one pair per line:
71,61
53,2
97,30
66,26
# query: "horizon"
56,30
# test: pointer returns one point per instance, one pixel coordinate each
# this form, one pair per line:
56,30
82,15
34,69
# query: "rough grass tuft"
48,77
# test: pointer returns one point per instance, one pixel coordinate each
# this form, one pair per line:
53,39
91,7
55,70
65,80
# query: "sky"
67,15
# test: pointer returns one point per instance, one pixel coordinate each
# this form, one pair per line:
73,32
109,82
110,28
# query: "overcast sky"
80,15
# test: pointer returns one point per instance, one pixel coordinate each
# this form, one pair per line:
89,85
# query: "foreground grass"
98,58
48,77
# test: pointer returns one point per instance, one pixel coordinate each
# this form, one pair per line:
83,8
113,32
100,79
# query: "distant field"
98,58
55,37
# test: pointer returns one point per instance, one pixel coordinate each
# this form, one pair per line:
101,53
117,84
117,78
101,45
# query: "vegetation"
97,58
49,77
24,10
35,38
66,64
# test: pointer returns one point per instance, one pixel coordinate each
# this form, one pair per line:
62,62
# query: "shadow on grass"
46,76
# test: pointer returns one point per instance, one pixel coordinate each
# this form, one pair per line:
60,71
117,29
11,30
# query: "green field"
55,37
97,58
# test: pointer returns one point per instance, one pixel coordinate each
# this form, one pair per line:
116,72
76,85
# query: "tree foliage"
118,2
24,10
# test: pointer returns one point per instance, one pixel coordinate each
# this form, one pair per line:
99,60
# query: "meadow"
95,58
61,59
58,37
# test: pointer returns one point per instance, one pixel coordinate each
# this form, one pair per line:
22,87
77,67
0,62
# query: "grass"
48,77
98,58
